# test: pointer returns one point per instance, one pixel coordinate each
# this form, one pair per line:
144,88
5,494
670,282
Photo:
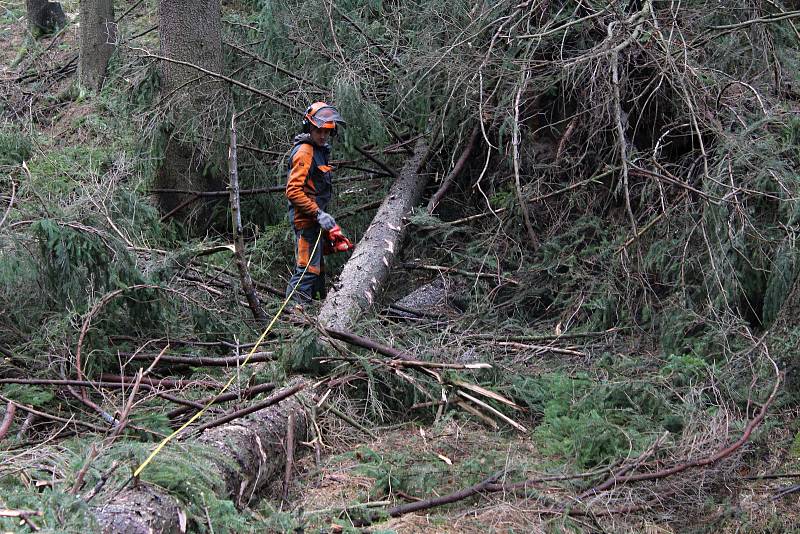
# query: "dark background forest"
573,304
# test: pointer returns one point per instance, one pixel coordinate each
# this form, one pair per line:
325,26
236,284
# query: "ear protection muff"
306,124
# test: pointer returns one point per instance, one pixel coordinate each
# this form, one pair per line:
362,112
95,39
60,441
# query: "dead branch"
543,337
453,270
275,66
237,83
435,502
622,143
278,397
261,190
208,361
526,217
52,417
101,483
160,382
562,144
92,384
10,202
530,200
236,217
8,418
719,455
457,168
245,394
377,161
612,480
24,516
369,344
94,311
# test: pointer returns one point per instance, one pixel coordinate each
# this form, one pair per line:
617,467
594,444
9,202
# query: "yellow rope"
197,416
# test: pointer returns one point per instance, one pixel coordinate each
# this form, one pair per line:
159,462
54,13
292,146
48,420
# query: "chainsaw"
338,242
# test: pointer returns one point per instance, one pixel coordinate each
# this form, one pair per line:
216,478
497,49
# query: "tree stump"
44,17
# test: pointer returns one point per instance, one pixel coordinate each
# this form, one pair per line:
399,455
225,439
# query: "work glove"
325,220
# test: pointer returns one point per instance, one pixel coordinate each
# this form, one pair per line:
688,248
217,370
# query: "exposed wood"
367,270
8,418
248,454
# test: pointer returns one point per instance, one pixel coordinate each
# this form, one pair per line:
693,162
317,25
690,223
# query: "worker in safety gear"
309,190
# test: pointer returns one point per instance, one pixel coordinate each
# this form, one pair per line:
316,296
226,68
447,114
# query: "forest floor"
591,404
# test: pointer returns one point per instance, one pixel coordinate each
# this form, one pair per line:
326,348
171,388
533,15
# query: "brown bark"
457,168
364,275
44,17
249,455
191,32
8,418
98,34
140,509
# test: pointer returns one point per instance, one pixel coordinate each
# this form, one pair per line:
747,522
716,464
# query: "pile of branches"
621,164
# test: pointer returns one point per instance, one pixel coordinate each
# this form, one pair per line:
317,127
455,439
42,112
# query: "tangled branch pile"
624,174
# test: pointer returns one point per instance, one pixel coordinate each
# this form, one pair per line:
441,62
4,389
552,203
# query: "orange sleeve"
301,164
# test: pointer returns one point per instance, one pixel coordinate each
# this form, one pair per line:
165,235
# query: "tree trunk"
364,275
98,34
251,454
192,32
44,17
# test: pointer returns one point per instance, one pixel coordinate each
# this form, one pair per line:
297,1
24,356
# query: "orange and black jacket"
309,185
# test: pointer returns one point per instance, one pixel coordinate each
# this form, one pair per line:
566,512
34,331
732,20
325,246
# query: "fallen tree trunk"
250,455
363,277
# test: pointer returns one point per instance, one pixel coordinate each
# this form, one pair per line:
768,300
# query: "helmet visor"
326,117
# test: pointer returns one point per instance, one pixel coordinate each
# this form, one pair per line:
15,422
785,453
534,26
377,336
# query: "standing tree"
191,34
44,17
98,37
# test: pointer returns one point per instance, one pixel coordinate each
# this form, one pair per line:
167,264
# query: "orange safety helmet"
322,115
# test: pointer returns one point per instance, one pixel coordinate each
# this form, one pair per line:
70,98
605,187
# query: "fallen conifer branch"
457,168
70,421
719,455
24,516
278,397
206,361
245,394
435,502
